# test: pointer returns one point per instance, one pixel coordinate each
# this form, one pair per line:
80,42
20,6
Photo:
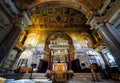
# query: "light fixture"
2,80
86,40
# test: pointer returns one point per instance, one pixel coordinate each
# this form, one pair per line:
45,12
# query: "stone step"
60,81
85,77
35,76
82,78
90,81
26,76
39,75
27,81
42,80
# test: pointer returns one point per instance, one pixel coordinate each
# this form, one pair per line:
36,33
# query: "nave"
60,41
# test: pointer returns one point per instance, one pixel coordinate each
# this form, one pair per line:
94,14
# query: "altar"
59,71
59,67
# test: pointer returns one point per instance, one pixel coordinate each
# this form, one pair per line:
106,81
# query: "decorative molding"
91,16
114,17
54,17
115,7
96,23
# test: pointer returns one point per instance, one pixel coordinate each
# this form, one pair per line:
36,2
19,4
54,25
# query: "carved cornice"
60,29
95,20
82,6
96,23
112,11
91,16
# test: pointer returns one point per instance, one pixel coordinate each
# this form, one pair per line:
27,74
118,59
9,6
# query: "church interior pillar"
112,44
9,42
69,61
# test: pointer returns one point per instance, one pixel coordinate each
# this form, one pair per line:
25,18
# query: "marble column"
69,60
111,42
70,71
48,72
9,42
49,61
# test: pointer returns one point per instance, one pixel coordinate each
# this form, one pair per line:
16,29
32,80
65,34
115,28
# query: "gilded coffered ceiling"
84,6
55,17
59,13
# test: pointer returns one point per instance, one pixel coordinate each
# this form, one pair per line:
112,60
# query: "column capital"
20,21
95,20
91,16
96,23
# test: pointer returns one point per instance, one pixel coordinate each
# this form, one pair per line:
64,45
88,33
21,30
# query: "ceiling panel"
53,17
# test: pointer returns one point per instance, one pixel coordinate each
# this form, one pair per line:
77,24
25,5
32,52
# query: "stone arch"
71,4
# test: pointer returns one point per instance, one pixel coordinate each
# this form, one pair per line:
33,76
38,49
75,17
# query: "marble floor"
105,81
49,81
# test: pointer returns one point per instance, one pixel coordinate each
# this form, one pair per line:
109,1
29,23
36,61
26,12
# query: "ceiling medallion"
58,18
